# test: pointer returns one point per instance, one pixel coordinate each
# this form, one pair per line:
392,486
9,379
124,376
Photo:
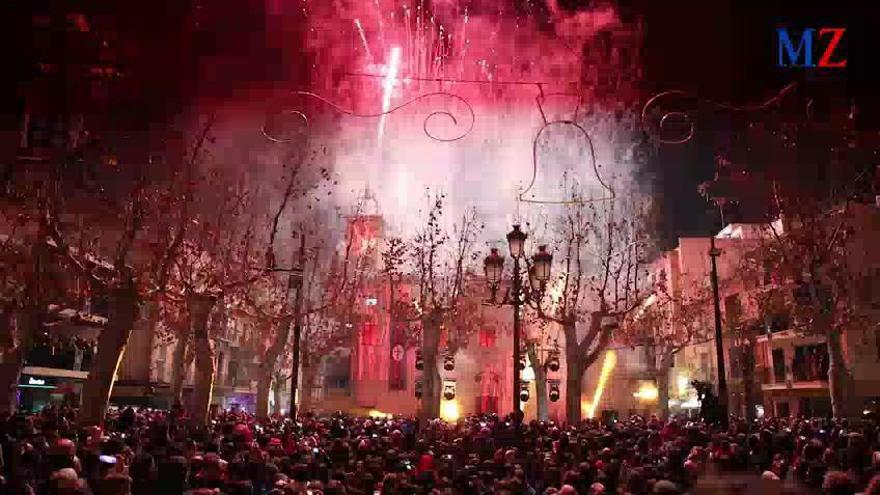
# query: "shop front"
239,401
42,387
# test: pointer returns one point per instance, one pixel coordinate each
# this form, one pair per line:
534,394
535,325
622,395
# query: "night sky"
721,50
725,51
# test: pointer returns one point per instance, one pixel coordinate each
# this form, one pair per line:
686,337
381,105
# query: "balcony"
799,377
796,385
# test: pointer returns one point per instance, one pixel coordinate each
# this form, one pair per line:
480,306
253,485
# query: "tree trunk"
573,383
180,365
308,386
267,367
200,307
277,388
264,387
840,380
749,380
431,382
10,374
152,310
662,375
123,313
540,383
574,374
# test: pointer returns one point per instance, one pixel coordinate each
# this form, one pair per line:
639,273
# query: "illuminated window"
369,333
487,337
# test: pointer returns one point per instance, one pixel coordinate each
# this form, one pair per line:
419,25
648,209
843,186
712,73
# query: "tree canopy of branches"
670,319
438,263
600,279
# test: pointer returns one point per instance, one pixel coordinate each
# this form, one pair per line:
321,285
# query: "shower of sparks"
607,367
381,24
391,69
357,23
414,47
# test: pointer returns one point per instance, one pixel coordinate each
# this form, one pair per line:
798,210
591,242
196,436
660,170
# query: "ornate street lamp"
536,285
541,262
516,239
539,274
492,267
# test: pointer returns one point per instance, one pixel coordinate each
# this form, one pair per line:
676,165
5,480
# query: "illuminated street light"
516,239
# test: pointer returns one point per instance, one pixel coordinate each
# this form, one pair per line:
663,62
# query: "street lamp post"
714,253
538,275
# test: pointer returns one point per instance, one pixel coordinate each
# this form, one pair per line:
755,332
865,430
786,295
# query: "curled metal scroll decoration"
276,139
677,126
466,126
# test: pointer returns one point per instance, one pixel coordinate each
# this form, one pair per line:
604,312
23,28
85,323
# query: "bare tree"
670,320
600,280
816,254
218,260
440,262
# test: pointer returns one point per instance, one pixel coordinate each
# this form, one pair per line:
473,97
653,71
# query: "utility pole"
714,253
298,278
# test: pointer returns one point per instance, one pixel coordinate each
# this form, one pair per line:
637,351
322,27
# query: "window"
782,410
704,362
99,305
369,333
487,337
160,368
877,342
810,363
220,367
736,361
779,365
232,373
733,309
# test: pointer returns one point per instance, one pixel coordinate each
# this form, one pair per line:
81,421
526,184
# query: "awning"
54,373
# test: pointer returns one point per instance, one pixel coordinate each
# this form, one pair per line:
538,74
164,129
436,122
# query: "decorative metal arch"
468,125
657,121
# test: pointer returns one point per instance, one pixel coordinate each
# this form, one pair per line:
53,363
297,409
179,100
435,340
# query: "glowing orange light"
607,367
450,411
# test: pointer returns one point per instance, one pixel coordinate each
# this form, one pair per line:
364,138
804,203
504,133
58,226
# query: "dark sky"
725,51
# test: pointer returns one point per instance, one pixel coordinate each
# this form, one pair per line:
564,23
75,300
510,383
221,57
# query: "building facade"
771,367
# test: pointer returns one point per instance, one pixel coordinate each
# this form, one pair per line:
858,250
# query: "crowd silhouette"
142,452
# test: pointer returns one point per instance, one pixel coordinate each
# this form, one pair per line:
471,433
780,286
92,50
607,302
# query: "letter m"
786,48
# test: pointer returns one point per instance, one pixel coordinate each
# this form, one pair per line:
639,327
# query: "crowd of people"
147,451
